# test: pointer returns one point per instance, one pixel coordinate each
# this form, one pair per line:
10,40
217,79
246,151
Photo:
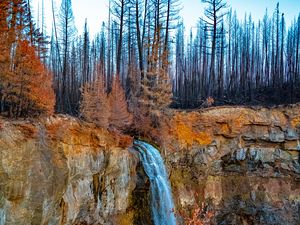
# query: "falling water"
2,217
161,197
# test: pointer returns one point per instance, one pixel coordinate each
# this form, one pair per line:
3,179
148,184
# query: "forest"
143,59
149,121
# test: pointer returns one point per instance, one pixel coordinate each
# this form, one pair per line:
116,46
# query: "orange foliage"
105,111
26,89
94,106
120,118
25,84
29,90
209,102
5,72
156,86
200,215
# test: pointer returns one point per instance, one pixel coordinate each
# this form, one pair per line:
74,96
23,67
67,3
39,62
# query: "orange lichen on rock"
184,132
76,136
295,122
203,138
225,128
240,121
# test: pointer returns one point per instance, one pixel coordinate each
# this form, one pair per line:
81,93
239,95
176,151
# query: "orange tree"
94,106
28,90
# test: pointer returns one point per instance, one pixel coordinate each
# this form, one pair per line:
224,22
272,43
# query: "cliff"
243,162
63,171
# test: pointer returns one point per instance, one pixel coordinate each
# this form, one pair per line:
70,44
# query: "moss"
180,178
140,207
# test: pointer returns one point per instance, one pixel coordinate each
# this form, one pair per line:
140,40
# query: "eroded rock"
60,171
249,172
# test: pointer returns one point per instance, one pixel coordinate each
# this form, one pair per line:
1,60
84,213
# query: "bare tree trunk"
120,40
139,39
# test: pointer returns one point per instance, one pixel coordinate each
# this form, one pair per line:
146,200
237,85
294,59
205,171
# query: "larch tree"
5,72
25,83
94,105
120,118
156,91
30,92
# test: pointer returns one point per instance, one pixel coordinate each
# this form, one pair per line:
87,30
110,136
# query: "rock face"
244,163
62,172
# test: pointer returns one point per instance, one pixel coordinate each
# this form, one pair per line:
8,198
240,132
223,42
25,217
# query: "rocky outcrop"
243,162
62,171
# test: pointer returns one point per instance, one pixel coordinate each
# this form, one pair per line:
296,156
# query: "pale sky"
96,11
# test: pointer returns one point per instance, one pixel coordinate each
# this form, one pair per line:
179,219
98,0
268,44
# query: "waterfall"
162,205
2,216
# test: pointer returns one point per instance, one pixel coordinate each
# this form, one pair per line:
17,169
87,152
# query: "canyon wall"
243,162
62,171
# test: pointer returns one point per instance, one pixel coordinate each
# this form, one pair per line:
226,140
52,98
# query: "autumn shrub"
200,215
209,101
